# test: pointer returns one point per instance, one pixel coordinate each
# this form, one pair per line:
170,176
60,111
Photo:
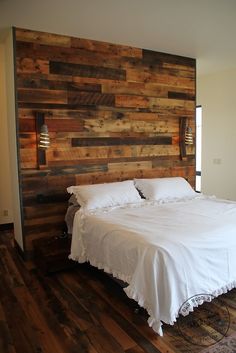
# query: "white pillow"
165,189
105,195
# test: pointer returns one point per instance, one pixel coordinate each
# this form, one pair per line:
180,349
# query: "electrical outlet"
5,213
217,161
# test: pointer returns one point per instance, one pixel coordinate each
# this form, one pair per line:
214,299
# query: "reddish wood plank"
106,48
32,66
42,38
42,96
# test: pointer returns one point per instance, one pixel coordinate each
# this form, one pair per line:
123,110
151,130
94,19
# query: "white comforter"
165,252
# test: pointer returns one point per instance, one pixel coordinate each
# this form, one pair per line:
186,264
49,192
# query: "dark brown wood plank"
151,56
6,341
90,98
29,82
106,141
16,299
180,95
86,71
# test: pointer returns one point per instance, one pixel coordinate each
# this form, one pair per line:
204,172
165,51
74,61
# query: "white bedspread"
165,252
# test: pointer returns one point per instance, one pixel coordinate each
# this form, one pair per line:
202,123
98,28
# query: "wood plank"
80,113
125,341
165,159
129,166
149,89
28,82
102,341
128,321
106,48
73,301
90,98
30,66
151,56
44,230
66,78
6,343
125,125
43,220
135,349
42,96
86,71
32,212
54,125
69,336
27,338
102,318
98,307
76,56
95,178
93,162
101,152
175,94
115,141
48,185
134,75
145,102
27,140
131,101
26,35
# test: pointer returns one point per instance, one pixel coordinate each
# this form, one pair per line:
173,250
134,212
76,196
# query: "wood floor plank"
6,342
66,330
24,337
100,304
62,340
117,332
103,341
39,333
71,302
125,315
83,311
101,316
135,349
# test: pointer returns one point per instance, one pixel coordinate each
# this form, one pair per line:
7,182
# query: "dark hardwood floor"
79,311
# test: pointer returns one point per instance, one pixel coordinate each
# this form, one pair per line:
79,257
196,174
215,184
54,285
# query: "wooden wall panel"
112,111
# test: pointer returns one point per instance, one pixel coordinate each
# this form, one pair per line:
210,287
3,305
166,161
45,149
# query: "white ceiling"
203,29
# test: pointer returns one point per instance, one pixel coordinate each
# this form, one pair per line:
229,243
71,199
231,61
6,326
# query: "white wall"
216,94
11,122
5,182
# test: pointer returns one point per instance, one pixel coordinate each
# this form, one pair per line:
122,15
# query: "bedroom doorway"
198,148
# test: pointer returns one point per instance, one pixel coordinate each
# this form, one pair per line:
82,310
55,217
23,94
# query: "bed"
168,247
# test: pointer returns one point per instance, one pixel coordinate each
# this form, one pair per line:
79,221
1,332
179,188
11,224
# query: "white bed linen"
165,252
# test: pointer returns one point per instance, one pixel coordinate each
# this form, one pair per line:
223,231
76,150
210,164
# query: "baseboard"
20,251
6,226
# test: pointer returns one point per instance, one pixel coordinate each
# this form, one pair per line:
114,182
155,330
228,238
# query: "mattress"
166,252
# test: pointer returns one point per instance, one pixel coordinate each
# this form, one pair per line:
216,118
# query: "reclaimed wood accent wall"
112,112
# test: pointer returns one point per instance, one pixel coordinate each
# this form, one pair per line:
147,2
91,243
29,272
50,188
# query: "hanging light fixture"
188,136
185,137
44,139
